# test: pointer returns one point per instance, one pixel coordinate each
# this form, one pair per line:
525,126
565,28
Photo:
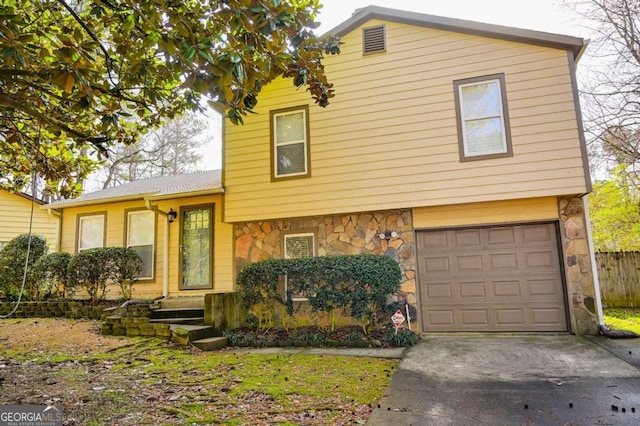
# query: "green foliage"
124,266
79,76
52,269
360,283
623,319
95,269
12,263
402,338
615,216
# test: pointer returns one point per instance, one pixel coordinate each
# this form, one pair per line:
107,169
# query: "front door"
196,247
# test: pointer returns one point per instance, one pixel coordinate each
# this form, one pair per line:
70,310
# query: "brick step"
188,321
195,332
182,302
210,343
177,313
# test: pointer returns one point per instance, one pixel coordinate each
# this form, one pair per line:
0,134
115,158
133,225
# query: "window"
141,227
290,143
297,246
483,118
91,231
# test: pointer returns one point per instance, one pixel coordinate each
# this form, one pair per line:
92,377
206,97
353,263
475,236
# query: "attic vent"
374,40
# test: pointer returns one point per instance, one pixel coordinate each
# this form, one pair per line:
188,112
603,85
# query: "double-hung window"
141,226
483,117
297,246
91,231
290,143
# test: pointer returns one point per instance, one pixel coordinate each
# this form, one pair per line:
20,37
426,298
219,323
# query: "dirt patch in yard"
101,380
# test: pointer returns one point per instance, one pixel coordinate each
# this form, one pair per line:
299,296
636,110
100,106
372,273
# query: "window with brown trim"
141,237
290,143
482,117
91,231
297,246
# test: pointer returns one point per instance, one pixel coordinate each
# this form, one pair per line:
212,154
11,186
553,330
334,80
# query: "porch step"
210,343
177,313
188,321
196,332
182,302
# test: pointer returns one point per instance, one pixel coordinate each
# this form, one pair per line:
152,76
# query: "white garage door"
505,278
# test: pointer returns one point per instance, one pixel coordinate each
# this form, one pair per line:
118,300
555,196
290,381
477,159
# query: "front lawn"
103,380
623,319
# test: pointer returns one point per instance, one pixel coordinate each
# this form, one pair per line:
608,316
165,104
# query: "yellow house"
174,223
453,146
16,214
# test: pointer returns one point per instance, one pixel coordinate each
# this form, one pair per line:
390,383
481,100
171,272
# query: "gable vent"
374,40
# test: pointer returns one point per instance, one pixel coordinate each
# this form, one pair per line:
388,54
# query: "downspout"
165,249
594,264
57,214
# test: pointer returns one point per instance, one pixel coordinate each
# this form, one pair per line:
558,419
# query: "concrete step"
196,332
182,302
210,343
188,321
177,313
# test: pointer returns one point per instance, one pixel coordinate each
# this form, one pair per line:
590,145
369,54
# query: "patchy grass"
623,319
117,381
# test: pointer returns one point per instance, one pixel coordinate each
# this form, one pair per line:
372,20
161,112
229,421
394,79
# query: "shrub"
94,269
52,269
360,283
125,265
12,263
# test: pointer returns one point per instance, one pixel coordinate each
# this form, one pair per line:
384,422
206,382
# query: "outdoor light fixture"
387,235
172,215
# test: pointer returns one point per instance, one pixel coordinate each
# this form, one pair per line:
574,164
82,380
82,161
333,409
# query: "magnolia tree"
78,76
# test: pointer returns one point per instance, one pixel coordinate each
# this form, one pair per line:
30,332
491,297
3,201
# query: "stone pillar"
577,264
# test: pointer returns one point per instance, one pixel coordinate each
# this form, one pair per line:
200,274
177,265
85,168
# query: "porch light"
387,235
171,215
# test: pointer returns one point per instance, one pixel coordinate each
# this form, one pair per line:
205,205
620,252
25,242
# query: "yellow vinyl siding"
389,139
16,212
497,212
115,236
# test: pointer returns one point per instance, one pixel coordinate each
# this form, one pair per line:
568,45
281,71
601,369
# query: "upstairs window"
290,143
141,227
90,231
483,118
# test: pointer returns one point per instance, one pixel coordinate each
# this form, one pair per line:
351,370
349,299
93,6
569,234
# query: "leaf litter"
102,380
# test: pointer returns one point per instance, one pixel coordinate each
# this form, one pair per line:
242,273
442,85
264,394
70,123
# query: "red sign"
397,318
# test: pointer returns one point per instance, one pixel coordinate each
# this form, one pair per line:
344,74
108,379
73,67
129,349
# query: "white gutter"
594,264
165,248
57,214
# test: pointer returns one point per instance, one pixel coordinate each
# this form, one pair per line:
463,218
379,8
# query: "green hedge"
360,283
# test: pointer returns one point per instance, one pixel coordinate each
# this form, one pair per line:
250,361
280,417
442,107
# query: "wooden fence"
619,274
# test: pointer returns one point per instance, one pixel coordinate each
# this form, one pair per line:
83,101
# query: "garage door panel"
491,279
474,317
510,317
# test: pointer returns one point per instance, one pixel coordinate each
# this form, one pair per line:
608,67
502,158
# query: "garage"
491,279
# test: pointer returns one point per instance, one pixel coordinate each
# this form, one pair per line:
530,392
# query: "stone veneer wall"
348,234
577,261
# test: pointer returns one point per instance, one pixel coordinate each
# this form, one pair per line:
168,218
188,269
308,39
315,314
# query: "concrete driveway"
511,380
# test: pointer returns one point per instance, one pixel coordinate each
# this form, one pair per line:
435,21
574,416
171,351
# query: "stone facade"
577,263
335,235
